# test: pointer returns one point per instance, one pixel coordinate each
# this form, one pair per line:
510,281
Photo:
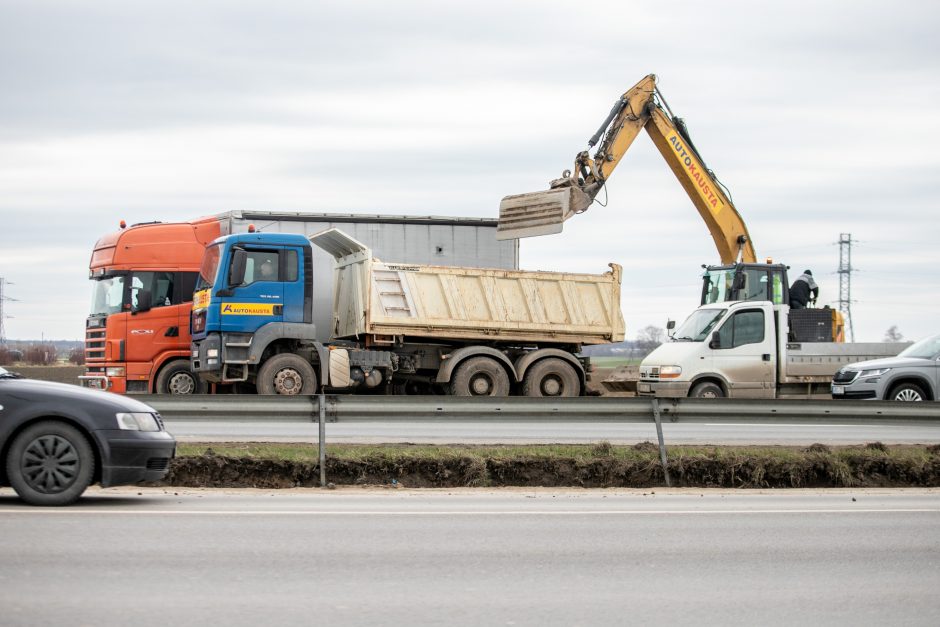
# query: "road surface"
469,557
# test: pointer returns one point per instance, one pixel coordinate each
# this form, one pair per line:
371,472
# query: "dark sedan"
57,439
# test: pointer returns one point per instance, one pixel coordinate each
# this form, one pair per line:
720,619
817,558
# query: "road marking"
405,513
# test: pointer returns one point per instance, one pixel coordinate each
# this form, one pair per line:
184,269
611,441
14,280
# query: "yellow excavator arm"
641,107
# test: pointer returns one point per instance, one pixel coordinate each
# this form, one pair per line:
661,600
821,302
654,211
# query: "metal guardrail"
351,408
342,408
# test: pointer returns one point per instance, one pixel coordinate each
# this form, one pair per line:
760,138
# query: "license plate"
838,389
644,387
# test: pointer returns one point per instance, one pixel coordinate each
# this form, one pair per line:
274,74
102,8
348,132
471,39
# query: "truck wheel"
480,376
907,392
551,377
177,378
287,374
707,390
50,463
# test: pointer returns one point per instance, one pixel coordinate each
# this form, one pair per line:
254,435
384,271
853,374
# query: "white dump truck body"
389,300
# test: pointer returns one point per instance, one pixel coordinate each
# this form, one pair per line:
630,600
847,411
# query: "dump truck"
137,337
397,328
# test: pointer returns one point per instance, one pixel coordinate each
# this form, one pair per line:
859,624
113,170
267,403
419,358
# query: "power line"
3,298
845,281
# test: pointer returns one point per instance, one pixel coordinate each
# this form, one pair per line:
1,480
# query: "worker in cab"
803,291
267,271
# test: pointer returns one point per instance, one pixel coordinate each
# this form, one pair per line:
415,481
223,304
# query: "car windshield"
697,326
108,295
209,268
927,348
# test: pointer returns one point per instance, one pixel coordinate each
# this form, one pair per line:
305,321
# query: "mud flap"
339,368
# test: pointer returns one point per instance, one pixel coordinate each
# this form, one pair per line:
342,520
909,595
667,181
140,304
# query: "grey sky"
821,118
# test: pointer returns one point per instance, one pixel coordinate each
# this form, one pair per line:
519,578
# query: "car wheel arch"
711,378
920,382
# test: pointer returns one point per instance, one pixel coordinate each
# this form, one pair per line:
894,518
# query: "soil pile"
600,466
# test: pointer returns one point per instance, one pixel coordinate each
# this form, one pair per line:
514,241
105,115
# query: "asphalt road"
528,432
508,557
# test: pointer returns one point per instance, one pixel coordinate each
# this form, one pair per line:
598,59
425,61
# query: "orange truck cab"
137,333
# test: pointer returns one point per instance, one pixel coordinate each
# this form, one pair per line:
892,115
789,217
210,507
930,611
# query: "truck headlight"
212,352
137,421
115,371
877,372
670,372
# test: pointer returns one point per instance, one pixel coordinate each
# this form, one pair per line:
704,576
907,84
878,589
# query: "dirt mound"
606,466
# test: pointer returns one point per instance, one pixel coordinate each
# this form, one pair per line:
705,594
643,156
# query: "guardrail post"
662,442
321,403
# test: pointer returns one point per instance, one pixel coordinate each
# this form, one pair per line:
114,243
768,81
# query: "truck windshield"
697,326
209,268
108,295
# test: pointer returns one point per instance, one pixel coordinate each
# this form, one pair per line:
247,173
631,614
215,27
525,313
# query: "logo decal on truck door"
249,309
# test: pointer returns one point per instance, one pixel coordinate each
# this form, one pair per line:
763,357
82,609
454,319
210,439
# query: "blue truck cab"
252,288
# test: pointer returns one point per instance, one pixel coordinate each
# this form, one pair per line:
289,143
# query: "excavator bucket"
539,213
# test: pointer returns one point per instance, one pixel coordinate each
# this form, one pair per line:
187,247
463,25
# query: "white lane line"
793,426
405,513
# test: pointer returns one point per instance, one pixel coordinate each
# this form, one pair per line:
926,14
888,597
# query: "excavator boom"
641,107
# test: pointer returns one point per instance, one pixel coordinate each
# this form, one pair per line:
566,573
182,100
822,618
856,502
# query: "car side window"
745,327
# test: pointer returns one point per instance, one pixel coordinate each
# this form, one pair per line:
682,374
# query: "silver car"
914,375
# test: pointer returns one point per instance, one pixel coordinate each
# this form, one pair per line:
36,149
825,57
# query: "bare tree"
649,337
893,335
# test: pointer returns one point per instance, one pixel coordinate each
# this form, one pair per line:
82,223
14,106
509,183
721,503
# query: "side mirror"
670,327
236,275
716,340
144,302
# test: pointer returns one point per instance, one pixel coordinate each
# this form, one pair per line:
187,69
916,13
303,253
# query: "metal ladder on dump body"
393,296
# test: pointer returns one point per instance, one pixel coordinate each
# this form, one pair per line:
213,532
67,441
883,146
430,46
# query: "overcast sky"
820,117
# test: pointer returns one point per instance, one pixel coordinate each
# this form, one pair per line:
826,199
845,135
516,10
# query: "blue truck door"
259,300
295,269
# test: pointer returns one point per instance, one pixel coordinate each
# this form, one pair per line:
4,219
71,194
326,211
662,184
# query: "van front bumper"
663,389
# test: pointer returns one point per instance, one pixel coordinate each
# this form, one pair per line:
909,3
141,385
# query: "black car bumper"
134,456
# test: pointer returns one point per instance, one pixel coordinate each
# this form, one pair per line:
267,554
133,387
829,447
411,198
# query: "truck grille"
94,344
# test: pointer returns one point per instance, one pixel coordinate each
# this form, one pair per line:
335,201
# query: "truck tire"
50,463
907,392
551,377
479,376
707,390
177,378
287,374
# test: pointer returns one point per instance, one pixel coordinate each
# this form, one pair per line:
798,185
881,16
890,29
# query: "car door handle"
765,356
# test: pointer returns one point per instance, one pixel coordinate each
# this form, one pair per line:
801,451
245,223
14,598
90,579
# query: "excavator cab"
745,281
